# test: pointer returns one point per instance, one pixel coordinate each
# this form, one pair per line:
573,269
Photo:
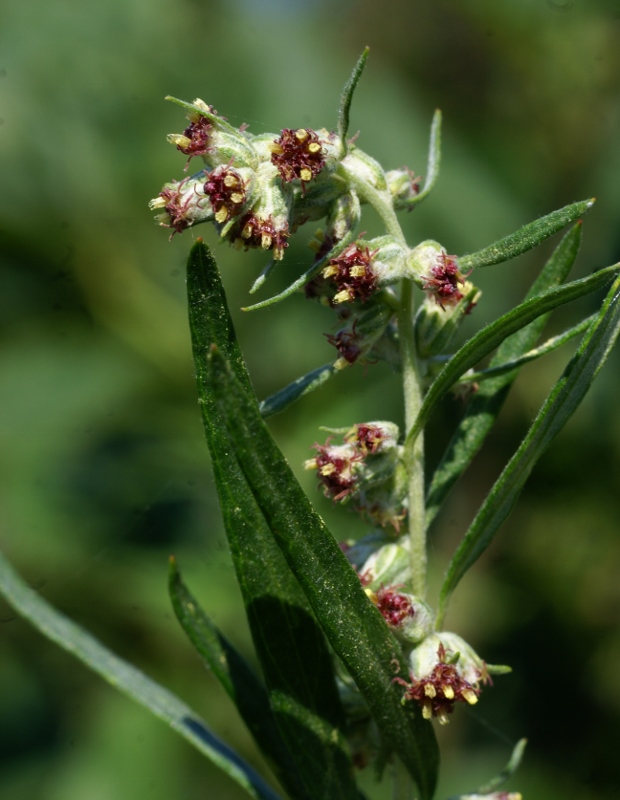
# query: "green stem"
415,455
381,201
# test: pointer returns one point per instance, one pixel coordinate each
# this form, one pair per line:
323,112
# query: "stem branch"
414,456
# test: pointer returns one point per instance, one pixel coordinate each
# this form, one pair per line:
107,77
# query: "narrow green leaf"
486,340
553,343
347,97
233,672
127,679
433,164
557,409
509,770
291,648
304,385
526,237
354,627
303,279
267,270
488,401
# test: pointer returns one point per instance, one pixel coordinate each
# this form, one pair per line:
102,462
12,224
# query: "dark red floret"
444,280
199,134
225,189
395,607
298,153
352,274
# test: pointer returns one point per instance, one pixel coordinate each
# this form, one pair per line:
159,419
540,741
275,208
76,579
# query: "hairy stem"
381,201
414,456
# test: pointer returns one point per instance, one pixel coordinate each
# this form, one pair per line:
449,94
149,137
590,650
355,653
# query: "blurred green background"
104,470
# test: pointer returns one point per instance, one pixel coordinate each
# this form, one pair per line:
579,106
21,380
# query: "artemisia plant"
357,667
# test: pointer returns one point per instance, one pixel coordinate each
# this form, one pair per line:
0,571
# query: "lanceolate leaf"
486,340
235,675
526,237
290,646
487,402
549,346
308,383
433,164
355,628
304,278
347,97
557,409
128,679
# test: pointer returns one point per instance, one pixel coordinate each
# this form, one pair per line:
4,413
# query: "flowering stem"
414,456
381,201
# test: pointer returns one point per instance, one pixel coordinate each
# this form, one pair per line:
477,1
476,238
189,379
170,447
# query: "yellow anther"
470,696
329,271
429,690
157,202
221,214
342,297
179,139
427,710
248,230
328,469
371,595
448,692
341,363
237,197
276,148
230,181
305,174
301,134
314,147
310,463
202,105
266,240
278,252
358,271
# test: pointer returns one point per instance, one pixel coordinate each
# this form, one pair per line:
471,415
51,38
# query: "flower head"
396,608
444,280
336,467
183,202
444,670
298,154
266,233
226,191
352,273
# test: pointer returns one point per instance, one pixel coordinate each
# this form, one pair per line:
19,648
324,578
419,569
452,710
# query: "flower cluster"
298,154
353,274
364,469
444,280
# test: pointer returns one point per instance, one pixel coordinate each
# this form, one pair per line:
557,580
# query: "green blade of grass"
238,679
526,237
354,627
559,406
129,680
491,336
290,646
486,404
